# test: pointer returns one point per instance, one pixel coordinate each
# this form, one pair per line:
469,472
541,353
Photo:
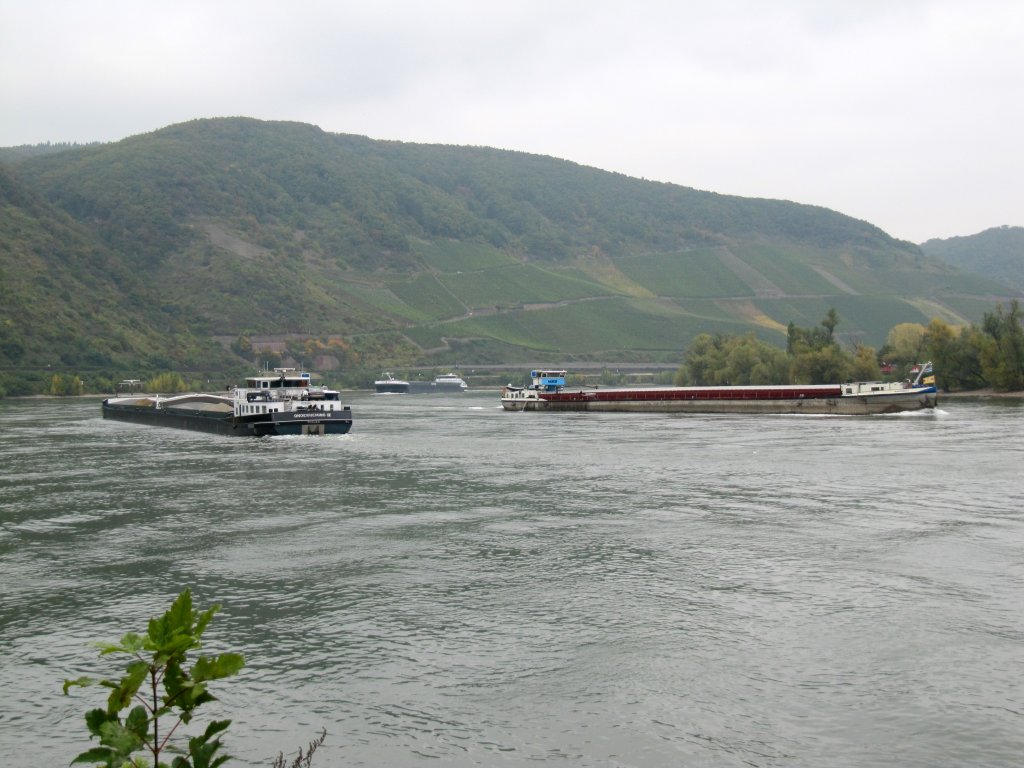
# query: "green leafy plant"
160,693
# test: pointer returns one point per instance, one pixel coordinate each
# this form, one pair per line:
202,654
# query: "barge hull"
813,400
827,406
325,423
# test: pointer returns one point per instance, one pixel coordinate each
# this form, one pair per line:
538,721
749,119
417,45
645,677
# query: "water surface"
455,585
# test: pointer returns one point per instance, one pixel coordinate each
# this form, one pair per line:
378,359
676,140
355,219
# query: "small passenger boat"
390,385
446,382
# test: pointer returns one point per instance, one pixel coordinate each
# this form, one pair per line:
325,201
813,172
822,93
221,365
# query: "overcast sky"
906,113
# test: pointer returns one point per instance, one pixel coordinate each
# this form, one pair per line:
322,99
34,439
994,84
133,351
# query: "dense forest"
209,247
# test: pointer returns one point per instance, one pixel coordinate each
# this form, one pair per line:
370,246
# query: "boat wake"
928,413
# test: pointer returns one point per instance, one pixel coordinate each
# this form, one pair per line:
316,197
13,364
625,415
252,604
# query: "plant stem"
156,719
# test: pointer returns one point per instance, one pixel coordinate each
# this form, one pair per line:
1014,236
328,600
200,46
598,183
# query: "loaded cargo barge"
548,392
282,402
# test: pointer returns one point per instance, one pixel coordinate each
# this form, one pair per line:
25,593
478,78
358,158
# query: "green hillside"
202,245
68,302
996,254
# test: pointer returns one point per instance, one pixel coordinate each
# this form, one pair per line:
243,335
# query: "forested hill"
996,253
191,246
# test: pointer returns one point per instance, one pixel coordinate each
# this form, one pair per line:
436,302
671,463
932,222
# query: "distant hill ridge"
142,253
996,253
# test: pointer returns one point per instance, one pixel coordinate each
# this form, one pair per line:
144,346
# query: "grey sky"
909,114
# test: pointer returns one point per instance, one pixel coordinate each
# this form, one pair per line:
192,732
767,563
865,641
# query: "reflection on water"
452,582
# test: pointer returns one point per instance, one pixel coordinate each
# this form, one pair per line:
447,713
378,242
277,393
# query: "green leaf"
158,633
175,683
179,617
138,722
81,682
204,619
197,693
133,642
95,718
177,621
217,667
130,643
95,755
202,750
178,644
216,727
115,735
125,691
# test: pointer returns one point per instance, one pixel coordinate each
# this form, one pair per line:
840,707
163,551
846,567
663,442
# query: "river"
454,585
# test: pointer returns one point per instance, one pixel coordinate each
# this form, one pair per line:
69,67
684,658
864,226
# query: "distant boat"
282,402
548,392
390,385
446,382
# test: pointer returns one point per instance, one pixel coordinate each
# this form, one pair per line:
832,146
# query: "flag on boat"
926,377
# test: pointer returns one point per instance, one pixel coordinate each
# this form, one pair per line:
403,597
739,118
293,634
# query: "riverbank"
982,394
